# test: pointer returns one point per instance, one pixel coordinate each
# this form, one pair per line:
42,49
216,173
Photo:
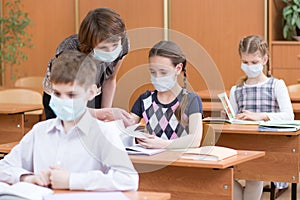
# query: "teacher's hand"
111,114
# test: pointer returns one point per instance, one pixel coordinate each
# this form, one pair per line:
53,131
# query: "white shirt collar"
83,124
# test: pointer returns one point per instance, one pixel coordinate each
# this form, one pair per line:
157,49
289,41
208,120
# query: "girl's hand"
153,142
42,178
59,178
247,115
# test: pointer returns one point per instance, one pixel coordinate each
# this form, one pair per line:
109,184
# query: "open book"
139,150
25,190
209,153
133,131
87,196
279,126
229,112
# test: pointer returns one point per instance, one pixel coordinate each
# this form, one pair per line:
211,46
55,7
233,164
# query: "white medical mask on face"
252,71
108,56
164,83
67,109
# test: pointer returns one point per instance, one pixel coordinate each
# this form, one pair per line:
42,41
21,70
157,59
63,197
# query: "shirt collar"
54,125
83,124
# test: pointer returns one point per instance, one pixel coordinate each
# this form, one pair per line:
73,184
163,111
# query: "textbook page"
230,121
87,196
25,190
139,150
209,153
229,112
133,130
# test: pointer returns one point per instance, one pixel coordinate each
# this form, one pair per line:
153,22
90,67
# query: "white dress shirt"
282,97
92,151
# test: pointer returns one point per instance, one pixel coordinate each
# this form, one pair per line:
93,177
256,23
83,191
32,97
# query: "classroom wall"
213,27
51,22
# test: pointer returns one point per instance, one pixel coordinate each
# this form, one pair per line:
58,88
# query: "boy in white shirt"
73,151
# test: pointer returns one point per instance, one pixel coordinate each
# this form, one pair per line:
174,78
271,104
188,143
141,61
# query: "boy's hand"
41,178
59,178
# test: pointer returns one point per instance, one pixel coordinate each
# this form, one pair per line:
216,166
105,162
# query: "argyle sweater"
160,118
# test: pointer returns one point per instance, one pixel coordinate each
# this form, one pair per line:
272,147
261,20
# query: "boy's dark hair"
71,66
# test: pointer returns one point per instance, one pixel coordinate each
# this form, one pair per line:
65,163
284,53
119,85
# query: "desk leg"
294,191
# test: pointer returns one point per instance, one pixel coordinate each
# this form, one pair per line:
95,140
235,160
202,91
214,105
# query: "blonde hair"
171,50
250,45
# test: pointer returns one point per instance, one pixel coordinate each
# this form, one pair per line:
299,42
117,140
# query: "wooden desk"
12,120
189,179
7,147
140,195
212,109
133,195
281,162
296,108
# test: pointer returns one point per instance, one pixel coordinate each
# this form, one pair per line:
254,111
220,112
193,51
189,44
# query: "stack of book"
280,126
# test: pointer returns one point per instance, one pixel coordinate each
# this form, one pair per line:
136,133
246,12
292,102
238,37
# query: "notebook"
280,126
209,153
139,150
24,190
229,112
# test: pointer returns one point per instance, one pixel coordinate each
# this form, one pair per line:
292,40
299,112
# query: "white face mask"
252,71
67,109
164,83
107,56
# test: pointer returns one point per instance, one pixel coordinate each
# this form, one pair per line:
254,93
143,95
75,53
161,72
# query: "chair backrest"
26,96
137,92
30,82
294,88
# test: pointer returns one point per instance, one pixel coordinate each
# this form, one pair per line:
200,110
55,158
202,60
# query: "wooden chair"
294,92
30,82
294,88
27,96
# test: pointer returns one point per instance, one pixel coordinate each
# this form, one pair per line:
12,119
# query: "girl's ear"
178,68
92,91
265,59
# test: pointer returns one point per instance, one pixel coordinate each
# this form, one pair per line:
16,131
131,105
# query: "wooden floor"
285,196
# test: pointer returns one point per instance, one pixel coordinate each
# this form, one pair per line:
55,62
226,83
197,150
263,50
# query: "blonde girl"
258,97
